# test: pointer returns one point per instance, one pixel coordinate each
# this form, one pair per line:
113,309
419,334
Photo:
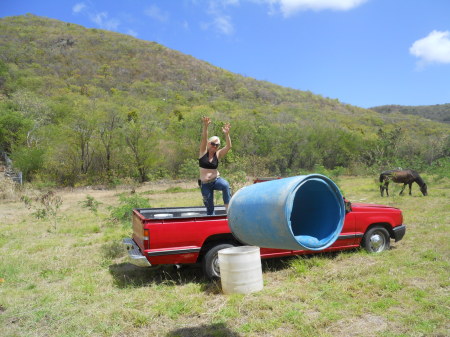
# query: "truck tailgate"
138,230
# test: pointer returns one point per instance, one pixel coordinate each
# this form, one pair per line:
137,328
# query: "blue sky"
362,52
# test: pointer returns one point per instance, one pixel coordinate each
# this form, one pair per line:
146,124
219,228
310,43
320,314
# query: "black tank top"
204,162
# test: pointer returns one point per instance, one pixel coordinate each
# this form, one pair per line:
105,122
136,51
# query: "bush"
332,174
122,213
7,188
28,160
237,180
158,174
441,168
189,169
45,206
90,203
112,250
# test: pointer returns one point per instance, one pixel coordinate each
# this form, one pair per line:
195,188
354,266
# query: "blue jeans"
219,184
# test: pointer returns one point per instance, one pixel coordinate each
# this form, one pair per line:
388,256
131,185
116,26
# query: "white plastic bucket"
240,270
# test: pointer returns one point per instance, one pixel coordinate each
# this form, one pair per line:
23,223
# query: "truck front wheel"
210,262
376,240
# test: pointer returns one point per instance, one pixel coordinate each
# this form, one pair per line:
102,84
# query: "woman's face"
214,145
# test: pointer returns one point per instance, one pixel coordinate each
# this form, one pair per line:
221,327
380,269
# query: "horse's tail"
382,177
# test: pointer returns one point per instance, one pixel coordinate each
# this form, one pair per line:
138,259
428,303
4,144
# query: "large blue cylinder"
302,212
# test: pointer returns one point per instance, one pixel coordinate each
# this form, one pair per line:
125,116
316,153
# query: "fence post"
9,171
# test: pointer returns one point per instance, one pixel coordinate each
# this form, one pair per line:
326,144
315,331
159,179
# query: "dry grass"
8,188
73,280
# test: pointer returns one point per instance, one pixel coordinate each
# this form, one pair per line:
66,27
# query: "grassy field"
70,278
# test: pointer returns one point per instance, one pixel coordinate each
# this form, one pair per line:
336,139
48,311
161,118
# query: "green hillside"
438,112
82,105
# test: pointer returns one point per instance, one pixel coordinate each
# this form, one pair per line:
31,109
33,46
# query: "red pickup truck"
186,235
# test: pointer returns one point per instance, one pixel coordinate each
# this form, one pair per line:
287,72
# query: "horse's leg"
410,185
382,182
403,188
387,188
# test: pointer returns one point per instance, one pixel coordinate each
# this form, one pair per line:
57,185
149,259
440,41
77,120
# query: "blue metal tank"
302,212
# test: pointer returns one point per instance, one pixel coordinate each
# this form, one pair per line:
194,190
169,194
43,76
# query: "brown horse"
407,177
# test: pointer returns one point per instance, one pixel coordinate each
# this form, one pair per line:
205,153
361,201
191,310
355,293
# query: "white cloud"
102,20
230,2
434,48
290,7
220,22
132,32
78,8
224,25
156,13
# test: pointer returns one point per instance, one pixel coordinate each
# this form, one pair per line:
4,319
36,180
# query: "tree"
34,109
140,137
13,128
81,128
110,122
28,160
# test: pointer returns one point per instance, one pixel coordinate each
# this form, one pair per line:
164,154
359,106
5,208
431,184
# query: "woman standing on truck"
208,161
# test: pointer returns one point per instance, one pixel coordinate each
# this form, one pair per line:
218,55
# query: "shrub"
7,187
237,180
441,168
122,213
189,169
45,206
90,203
28,160
112,250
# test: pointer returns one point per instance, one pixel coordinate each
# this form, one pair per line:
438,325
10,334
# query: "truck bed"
179,212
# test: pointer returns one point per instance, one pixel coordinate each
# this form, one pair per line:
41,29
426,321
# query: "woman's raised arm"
204,140
226,130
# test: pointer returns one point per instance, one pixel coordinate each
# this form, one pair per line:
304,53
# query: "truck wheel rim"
215,265
377,242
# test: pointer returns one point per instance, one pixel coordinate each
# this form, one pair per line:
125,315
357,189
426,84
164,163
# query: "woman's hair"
214,139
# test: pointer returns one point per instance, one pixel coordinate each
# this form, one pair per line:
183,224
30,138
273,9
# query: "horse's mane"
419,180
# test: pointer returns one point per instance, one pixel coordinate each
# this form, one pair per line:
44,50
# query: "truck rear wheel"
210,262
376,240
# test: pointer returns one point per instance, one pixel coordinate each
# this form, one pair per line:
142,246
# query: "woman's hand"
226,129
206,121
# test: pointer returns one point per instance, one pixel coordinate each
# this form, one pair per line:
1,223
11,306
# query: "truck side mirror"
348,206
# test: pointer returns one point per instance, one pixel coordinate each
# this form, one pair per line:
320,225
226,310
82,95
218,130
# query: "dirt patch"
419,283
366,325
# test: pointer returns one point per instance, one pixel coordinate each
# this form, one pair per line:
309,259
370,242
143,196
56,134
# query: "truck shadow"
127,275
218,329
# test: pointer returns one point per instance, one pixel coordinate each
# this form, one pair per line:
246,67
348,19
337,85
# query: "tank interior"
315,213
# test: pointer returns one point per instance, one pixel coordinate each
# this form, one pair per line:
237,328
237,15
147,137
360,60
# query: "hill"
438,112
85,105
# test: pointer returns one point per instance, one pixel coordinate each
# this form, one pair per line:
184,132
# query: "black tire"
210,262
376,240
